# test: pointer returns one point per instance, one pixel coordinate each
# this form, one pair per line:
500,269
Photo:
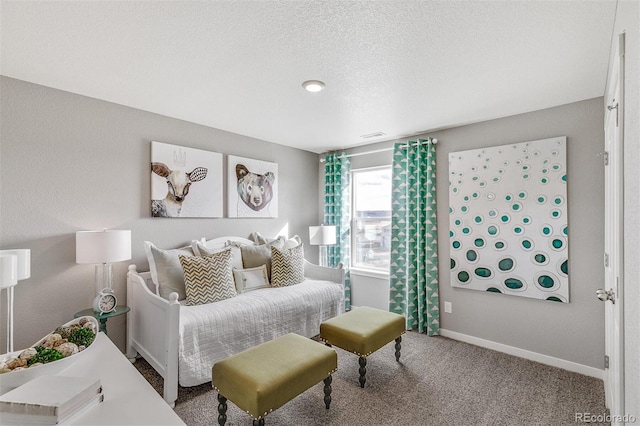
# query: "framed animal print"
252,187
185,182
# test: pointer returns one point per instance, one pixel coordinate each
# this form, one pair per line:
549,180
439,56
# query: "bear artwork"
255,190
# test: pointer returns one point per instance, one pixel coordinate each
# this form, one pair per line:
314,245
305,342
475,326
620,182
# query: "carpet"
438,381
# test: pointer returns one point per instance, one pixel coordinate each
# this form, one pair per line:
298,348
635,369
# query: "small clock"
105,301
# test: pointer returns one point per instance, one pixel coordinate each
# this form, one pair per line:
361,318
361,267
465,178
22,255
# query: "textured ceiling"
398,67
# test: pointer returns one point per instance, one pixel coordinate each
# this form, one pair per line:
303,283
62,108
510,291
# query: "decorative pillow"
292,242
253,256
251,279
165,268
208,279
287,266
200,249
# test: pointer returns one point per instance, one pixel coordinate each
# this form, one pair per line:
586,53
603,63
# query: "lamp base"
104,276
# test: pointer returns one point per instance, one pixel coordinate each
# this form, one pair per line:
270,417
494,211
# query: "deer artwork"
178,182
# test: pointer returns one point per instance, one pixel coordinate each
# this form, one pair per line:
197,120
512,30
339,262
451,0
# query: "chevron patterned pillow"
287,266
208,279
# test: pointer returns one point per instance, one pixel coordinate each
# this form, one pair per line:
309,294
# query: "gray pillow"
254,256
166,270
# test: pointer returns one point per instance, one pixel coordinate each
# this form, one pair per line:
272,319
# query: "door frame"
614,236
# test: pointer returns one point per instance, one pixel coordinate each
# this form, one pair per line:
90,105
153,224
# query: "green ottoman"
265,377
363,331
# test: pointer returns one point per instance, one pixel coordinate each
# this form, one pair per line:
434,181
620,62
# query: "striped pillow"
208,279
287,266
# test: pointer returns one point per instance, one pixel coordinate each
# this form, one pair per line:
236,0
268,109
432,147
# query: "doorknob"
606,295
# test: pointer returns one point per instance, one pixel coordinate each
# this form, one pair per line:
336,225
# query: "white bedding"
212,332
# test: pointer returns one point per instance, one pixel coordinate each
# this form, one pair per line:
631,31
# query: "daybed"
183,342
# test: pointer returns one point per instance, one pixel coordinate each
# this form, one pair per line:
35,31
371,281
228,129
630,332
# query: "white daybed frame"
153,322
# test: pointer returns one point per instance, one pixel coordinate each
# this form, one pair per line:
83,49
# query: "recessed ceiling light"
313,86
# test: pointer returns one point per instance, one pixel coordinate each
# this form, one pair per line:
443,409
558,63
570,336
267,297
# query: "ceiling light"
313,86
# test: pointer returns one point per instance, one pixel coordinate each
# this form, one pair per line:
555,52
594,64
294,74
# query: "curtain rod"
375,151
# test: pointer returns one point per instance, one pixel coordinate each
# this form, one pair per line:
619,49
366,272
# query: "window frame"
359,269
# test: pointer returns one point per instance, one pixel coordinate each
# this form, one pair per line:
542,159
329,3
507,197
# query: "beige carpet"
438,381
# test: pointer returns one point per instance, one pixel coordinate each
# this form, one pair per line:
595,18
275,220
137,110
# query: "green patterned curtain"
414,245
337,211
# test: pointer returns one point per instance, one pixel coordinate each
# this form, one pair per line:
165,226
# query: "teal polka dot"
456,244
450,210
557,244
483,272
526,220
493,290
505,264
513,283
508,197
564,178
505,218
517,230
527,244
458,222
466,198
472,255
478,242
546,230
541,199
451,234
545,171
525,176
463,276
540,258
475,195
554,299
466,230
544,181
499,245
477,219
565,230
492,230
546,281
516,206
522,195
453,263
555,213
557,200
464,209
564,267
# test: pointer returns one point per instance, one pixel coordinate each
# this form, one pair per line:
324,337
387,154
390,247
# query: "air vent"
373,135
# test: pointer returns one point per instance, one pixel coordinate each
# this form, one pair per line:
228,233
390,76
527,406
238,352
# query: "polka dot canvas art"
508,219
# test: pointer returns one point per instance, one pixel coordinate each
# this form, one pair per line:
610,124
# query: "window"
371,230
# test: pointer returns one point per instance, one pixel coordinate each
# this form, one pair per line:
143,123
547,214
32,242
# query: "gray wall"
72,163
574,331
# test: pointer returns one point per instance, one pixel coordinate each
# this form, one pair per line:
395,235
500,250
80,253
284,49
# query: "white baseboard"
522,353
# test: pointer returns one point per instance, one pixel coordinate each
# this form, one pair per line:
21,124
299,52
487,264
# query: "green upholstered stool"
265,377
363,331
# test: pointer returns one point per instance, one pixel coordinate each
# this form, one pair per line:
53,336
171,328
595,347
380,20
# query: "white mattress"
209,333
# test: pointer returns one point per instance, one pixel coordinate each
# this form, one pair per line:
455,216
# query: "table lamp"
322,236
103,248
15,265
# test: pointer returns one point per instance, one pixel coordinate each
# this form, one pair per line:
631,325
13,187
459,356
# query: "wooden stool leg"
222,410
398,340
327,391
363,370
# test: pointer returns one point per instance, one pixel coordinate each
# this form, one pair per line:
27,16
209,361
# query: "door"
613,291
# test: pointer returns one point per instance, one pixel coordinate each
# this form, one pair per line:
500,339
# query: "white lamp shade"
105,246
8,270
24,261
322,235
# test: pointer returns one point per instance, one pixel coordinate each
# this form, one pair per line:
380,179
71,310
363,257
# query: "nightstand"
120,310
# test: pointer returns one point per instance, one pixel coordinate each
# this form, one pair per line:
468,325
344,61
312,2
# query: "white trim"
523,353
369,273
